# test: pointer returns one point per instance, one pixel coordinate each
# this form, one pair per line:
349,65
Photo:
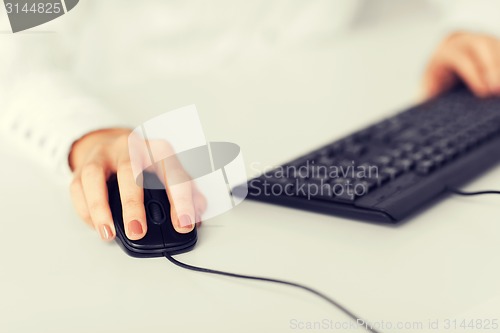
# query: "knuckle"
98,207
201,201
178,176
122,140
85,216
183,202
100,149
91,169
133,204
160,143
161,147
124,166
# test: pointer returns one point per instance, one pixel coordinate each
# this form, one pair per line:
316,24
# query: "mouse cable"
459,192
337,305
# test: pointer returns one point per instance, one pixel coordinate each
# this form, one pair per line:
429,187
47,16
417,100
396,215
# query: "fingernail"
185,221
105,232
135,227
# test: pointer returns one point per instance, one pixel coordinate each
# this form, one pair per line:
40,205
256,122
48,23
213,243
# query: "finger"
495,88
177,184
178,187
465,66
485,55
182,207
79,201
200,204
94,176
132,199
438,79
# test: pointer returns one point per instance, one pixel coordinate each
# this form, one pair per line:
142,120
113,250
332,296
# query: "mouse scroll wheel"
156,212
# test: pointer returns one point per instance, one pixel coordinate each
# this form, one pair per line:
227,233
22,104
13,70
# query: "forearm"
45,112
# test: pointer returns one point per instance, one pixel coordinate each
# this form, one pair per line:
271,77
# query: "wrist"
87,142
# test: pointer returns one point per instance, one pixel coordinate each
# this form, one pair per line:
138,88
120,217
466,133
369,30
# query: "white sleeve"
480,16
43,109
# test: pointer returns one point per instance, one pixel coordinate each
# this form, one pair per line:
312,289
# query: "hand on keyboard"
469,57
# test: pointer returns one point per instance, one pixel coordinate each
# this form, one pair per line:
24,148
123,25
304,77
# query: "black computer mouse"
161,236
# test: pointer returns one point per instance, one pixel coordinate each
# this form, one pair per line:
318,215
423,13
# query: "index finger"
179,191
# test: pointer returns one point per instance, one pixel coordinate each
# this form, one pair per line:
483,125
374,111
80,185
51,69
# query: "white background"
56,276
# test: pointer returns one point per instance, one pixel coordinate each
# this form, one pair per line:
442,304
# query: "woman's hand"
468,57
93,159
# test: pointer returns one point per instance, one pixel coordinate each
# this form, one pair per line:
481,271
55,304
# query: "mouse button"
155,212
160,196
173,238
152,240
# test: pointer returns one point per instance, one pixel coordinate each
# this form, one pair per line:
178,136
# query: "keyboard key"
444,143
379,178
340,181
363,187
382,160
355,150
364,134
396,153
381,136
325,152
336,148
318,180
418,157
428,151
425,167
326,160
344,192
449,153
278,180
439,159
392,172
405,164
408,147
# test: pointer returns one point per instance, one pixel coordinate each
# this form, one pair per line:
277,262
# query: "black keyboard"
391,170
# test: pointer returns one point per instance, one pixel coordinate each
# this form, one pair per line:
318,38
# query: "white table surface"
56,276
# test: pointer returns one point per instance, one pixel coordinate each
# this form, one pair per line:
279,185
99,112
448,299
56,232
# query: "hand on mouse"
469,57
93,159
